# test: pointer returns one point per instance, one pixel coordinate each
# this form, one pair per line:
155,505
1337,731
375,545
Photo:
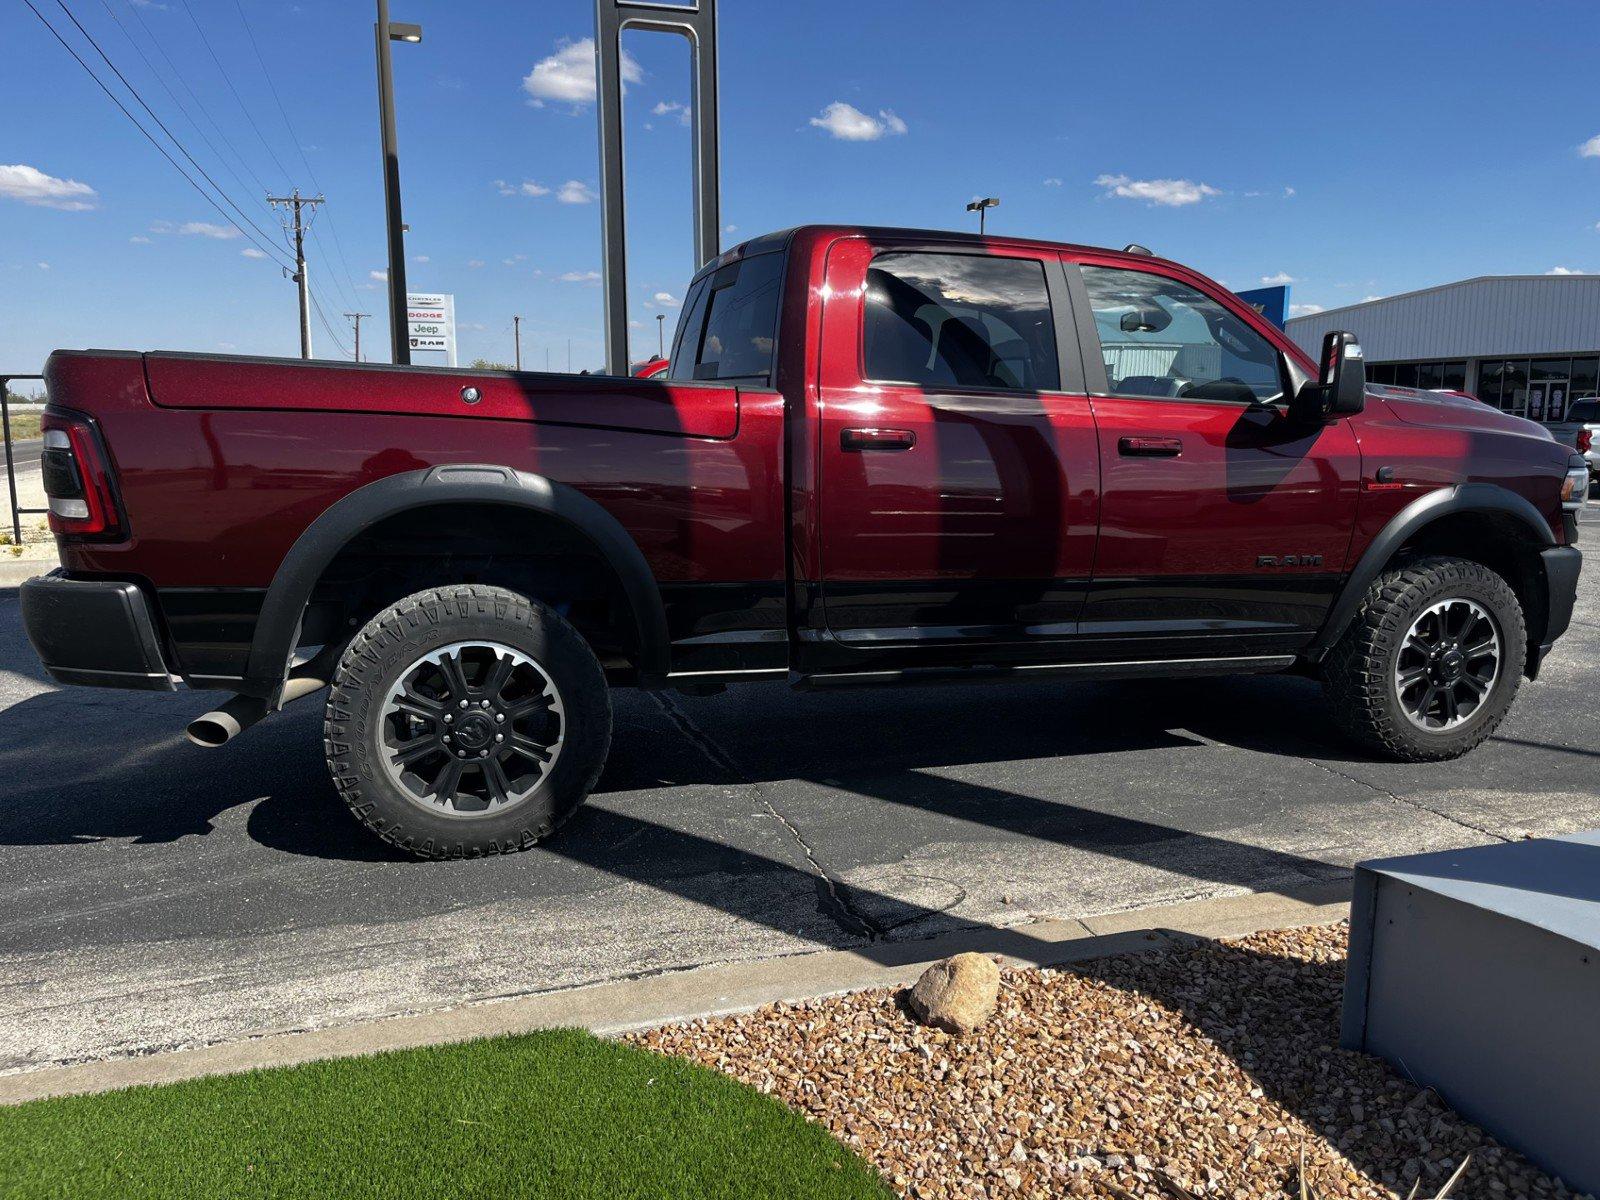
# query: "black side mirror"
1341,389
1149,319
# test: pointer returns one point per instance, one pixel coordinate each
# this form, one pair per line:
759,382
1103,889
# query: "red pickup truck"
876,456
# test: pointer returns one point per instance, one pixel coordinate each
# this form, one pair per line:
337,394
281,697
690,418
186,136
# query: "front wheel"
1432,661
465,721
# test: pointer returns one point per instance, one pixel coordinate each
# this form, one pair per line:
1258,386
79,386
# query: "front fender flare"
1421,512
285,601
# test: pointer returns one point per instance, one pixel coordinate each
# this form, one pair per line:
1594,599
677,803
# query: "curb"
15,571
619,1006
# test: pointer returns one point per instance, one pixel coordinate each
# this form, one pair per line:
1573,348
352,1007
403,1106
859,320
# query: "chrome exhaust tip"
223,724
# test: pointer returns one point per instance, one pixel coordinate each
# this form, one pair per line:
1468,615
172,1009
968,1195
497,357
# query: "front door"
958,472
1224,526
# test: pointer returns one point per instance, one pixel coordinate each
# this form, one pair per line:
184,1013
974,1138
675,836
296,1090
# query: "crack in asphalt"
836,903
1410,803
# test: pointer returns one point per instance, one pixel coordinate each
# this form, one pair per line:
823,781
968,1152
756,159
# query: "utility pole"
356,317
516,334
295,202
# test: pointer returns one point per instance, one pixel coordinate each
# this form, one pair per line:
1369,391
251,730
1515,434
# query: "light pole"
385,32
516,335
661,335
981,207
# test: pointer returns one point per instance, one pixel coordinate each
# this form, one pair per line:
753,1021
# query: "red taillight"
76,479
1585,440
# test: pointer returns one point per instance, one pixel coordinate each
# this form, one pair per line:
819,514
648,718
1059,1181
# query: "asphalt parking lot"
154,895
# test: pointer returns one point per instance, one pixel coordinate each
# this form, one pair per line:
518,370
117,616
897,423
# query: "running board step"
1161,668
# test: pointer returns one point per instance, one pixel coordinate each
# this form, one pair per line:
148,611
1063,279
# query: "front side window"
960,321
1160,337
731,326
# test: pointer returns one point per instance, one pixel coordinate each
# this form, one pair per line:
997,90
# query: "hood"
1450,410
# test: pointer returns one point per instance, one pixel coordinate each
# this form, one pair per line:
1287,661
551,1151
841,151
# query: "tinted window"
731,327
1162,338
1586,412
1455,376
960,320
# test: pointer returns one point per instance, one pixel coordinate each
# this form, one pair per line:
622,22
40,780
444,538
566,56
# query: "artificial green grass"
557,1113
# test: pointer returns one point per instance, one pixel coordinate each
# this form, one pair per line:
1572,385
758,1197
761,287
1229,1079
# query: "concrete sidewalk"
616,1007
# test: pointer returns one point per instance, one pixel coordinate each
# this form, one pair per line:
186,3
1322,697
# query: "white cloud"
526,188
422,258
222,233
735,228
475,263
581,277
574,191
1370,299
567,76
665,299
848,123
378,276
1287,192
1170,192
1591,148
139,239
44,266
1280,278
1052,182
1563,271
1304,310
32,186
252,252
665,107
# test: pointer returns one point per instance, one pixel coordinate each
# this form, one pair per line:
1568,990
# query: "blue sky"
1363,149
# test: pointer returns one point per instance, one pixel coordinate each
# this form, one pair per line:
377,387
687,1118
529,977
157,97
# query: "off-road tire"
427,621
1358,672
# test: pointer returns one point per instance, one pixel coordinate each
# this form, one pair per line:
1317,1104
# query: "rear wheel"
1432,661
465,721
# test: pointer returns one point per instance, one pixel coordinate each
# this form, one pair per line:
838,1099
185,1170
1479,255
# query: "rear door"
1224,526
957,462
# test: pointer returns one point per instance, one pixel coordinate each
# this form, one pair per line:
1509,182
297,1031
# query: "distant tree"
483,364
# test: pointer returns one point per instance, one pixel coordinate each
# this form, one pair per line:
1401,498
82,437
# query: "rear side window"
731,326
1585,412
960,320
1163,338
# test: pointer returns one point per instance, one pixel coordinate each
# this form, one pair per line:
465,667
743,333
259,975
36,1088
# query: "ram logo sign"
1288,560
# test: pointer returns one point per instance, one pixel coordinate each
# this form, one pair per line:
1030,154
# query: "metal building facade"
1520,341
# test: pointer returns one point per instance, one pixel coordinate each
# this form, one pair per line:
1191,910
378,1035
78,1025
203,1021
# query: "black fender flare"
1421,512
285,601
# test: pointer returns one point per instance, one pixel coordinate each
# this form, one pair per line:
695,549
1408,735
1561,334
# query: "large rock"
956,995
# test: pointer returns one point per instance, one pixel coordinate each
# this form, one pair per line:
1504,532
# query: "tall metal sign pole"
386,31
696,21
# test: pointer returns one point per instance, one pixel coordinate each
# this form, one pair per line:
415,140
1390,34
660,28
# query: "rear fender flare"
286,600
1406,524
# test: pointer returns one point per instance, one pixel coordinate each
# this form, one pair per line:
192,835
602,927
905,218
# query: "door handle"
877,439
1150,447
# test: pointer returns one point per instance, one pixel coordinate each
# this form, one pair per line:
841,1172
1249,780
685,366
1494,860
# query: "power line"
244,108
163,125
260,186
147,134
333,228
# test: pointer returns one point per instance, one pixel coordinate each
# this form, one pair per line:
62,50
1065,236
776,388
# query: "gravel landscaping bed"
1204,1069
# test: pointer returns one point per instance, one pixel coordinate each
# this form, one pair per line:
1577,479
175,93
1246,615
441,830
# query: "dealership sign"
431,322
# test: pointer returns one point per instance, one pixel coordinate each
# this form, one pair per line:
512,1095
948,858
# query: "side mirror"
1341,389
1150,319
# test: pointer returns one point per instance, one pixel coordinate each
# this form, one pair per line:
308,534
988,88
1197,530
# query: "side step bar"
1139,669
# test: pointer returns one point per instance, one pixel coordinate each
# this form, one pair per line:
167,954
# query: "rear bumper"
94,631
1561,566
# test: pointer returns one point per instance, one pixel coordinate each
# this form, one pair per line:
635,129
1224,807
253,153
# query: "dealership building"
1527,343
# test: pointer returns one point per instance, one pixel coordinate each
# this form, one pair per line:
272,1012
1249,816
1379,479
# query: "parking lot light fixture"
387,31
981,207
